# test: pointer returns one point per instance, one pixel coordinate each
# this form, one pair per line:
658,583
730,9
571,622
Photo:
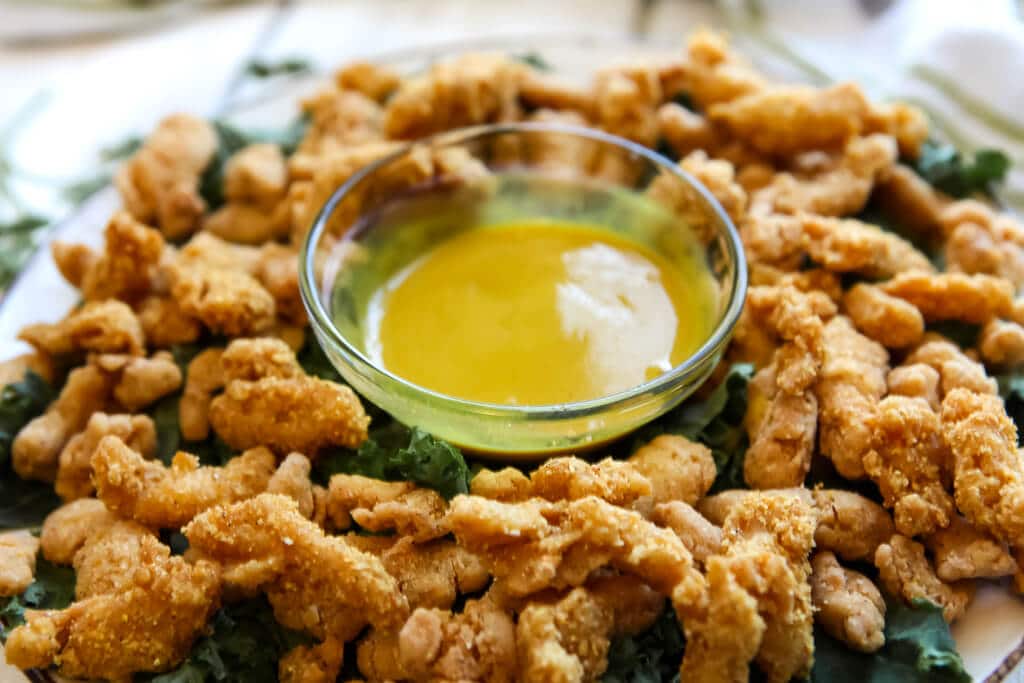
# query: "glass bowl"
528,171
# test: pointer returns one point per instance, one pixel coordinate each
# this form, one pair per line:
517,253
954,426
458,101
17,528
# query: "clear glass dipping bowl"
558,171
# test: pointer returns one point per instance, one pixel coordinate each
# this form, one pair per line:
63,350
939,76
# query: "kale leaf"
533,59
946,169
716,422
396,453
651,657
53,588
918,649
19,403
22,503
18,240
291,66
314,361
245,644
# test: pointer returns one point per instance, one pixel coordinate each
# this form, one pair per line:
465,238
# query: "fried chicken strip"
266,413
316,583
74,473
904,570
108,326
148,624
963,552
168,497
17,561
537,544
953,296
849,606
909,462
69,527
988,475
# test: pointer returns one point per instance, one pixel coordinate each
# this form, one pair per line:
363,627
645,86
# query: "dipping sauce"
539,312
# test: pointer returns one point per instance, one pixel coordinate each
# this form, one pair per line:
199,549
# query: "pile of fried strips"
531,575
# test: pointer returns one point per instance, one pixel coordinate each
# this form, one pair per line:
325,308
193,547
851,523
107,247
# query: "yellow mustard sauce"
539,312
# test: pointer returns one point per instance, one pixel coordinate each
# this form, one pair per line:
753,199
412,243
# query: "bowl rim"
322,323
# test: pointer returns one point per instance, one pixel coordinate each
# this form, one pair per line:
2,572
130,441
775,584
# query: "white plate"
989,636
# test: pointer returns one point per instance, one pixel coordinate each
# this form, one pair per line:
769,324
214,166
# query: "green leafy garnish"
651,657
289,66
964,335
231,139
121,150
533,59
314,361
211,451
17,242
245,644
397,453
53,588
946,169
20,402
716,422
1011,389
918,649
22,503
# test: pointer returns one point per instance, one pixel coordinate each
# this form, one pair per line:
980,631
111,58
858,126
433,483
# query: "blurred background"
81,80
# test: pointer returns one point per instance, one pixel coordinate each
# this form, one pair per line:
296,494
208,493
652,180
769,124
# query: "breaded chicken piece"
686,131
908,460
953,296
908,197
916,380
278,272
17,561
266,412
570,478
677,468
537,544
988,474
848,605
431,574
148,624
140,380
711,72
541,90
35,452
74,473
466,91
758,597
245,223
955,368
316,583
564,641
164,324
348,492
852,381
850,525
255,358
508,485
206,251
477,644
320,663
256,174
724,638
70,526
374,80
839,245
785,120
126,267
110,558
228,302
625,99
839,189
418,514
159,185
961,551
292,479
718,507
702,538
890,321
1001,343
103,326
768,539
719,177
167,497
204,376
904,571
